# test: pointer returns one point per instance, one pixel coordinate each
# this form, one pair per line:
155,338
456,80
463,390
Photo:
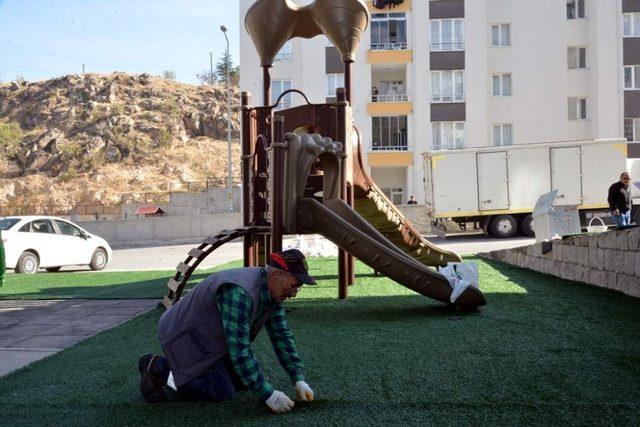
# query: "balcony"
447,97
405,6
389,46
389,159
446,46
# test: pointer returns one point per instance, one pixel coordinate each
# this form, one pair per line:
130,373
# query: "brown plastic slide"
372,204
336,221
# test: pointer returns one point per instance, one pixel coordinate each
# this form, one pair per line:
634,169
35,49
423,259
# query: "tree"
169,75
221,70
206,77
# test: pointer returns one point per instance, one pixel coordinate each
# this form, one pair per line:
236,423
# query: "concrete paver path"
32,330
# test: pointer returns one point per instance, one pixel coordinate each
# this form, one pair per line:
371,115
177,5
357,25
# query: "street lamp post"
229,165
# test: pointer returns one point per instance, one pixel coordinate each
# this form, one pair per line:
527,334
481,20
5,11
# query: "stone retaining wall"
609,260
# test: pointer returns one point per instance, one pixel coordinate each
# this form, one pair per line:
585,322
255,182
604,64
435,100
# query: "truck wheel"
526,226
504,226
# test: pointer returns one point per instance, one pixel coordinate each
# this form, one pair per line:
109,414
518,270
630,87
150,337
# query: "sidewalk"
33,330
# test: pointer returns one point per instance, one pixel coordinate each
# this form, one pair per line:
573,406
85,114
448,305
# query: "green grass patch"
543,351
96,285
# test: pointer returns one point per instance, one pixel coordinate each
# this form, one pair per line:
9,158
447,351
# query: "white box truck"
496,188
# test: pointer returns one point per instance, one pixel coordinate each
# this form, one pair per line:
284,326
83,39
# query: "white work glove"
279,403
304,392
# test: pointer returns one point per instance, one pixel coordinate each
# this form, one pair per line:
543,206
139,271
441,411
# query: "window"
575,9
278,87
388,31
286,53
501,35
448,135
632,77
67,229
393,194
42,226
631,24
576,57
577,108
447,86
502,134
389,133
632,129
501,84
7,223
334,81
447,34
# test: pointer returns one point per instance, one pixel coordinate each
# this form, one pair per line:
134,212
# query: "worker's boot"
153,372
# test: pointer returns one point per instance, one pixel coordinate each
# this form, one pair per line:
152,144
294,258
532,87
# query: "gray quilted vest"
191,333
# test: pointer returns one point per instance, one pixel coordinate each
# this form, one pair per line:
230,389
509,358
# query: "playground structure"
302,169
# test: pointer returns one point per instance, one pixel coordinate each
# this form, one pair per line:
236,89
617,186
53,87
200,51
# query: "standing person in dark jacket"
620,200
206,336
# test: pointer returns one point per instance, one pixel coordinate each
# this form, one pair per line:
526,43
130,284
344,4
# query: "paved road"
167,257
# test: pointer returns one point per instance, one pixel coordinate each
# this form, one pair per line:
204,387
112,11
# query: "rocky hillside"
89,139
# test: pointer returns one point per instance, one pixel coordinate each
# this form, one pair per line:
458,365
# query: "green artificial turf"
543,351
95,285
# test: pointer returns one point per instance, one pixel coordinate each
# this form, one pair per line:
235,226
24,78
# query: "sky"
41,39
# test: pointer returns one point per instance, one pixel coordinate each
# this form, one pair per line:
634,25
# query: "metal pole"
266,86
248,143
278,146
229,164
2,261
343,256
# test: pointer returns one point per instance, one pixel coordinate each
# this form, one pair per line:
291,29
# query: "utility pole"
229,165
211,64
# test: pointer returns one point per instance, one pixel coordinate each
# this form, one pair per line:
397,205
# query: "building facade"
450,74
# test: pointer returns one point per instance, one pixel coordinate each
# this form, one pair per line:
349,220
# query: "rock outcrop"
86,138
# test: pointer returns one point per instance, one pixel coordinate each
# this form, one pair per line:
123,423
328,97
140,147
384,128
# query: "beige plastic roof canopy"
271,23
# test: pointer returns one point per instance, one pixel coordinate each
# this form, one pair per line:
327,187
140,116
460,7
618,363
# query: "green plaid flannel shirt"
235,306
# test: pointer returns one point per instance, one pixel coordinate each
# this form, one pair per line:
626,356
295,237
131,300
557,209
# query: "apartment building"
450,74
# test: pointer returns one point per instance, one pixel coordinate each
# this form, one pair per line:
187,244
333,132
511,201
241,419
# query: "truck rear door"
566,175
493,181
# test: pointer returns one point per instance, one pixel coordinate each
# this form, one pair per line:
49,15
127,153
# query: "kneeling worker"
206,336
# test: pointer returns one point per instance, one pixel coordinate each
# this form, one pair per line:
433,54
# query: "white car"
33,242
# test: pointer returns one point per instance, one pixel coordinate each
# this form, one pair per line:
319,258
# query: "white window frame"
635,128
502,78
281,84
503,130
634,71
579,105
334,81
286,53
437,43
440,139
631,21
397,45
501,35
580,9
437,90
574,56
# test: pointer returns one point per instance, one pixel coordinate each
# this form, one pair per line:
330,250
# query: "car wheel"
526,226
53,269
98,260
504,226
28,263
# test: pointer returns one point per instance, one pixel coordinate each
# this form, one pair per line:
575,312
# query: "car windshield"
7,223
